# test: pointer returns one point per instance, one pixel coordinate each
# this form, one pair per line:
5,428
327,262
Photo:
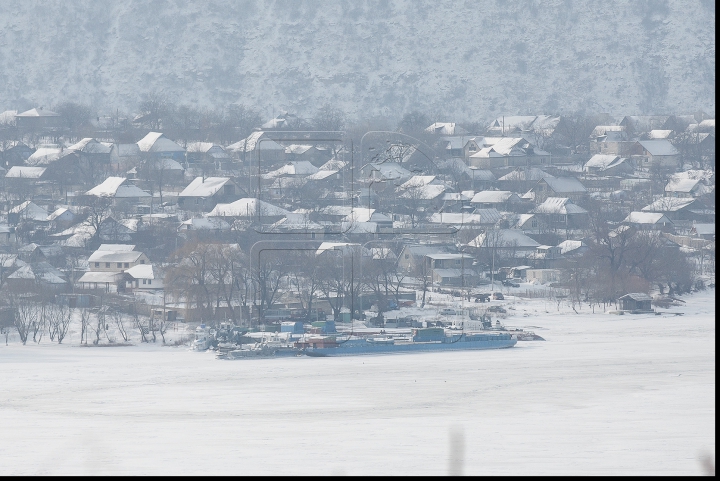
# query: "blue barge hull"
356,347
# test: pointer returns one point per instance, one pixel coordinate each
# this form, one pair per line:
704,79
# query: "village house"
204,193
636,302
607,164
107,267
143,277
156,146
118,189
649,221
508,152
610,140
257,146
38,120
569,187
502,200
14,153
654,153
561,212
207,153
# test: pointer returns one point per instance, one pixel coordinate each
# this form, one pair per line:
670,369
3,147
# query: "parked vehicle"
510,283
484,297
497,309
447,312
498,296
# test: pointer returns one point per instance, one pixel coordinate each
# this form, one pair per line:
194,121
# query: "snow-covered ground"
605,394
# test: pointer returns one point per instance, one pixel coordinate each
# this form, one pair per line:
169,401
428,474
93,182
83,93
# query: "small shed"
635,301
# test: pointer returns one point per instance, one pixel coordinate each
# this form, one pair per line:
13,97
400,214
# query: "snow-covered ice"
605,394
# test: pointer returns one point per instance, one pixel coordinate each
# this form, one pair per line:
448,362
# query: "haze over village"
549,242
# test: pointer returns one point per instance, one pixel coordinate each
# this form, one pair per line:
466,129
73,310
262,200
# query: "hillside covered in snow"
467,60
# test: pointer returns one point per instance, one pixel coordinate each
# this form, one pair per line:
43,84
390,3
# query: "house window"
149,281
142,261
144,281
97,264
127,264
119,264
107,264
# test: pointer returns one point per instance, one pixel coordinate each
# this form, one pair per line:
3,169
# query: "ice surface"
605,394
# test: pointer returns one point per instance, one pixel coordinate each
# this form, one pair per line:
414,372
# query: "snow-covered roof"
568,246
204,223
116,187
143,271
660,134
114,256
417,181
157,142
658,147
505,238
445,128
388,171
58,212
247,207
100,277
38,113
342,246
89,145
301,167
682,185
21,172
116,247
248,144
602,161
562,185
204,187
44,156
493,197
637,296
423,192
27,272
558,205
201,147
646,218
30,211
668,204
533,173
333,164
505,146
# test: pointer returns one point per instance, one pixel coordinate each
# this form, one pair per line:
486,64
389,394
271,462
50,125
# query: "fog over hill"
463,60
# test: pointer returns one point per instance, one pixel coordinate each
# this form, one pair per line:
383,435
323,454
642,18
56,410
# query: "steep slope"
466,60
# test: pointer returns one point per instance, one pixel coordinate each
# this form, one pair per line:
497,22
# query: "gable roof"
668,204
21,172
493,197
116,187
38,113
157,142
564,185
506,238
658,147
249,143
247,207
558,205
651,218
89,145
206,187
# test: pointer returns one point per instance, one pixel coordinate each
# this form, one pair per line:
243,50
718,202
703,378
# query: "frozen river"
604,394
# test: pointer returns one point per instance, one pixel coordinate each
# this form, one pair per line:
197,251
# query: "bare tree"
58,317
74,116
85,318
154,108
119,321
26,318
